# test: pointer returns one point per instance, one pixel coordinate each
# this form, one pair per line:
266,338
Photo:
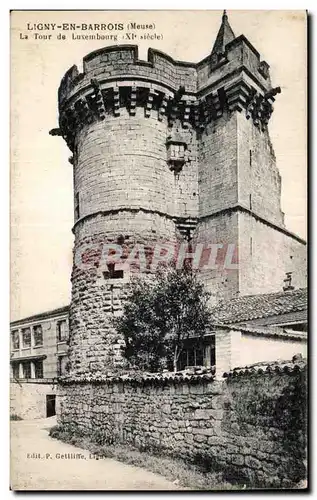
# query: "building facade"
38,356
171,151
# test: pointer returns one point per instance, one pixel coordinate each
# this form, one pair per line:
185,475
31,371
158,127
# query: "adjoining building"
247,330
250,329
38,356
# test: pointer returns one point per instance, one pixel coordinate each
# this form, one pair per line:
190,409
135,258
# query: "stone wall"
218,183
28,400
259,181
251,427
220,229
261,247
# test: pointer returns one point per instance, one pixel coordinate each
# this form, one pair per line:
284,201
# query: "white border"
310,5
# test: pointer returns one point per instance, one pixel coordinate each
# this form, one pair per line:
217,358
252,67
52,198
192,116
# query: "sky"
41,176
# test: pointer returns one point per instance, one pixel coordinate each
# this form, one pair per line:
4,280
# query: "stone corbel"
260,107
172,114
162,108
173,107
202,115
186,114
116,101
99,99
83,111
206,112
214,98
253,108
132,109
197,114
238,96
149,103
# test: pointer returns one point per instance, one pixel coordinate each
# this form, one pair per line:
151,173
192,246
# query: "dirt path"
40,462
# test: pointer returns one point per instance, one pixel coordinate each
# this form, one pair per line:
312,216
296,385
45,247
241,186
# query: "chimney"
288,282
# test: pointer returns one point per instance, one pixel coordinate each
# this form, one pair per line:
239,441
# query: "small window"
15,339
38,335
26,337
77,210
112,273
38,366
26,369
175,155
62,330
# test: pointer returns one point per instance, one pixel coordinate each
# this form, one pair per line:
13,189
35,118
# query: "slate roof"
224,36
248,307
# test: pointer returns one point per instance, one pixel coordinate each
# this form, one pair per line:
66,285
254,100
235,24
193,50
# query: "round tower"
128,125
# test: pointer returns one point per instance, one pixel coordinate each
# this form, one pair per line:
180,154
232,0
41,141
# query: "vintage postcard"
158,250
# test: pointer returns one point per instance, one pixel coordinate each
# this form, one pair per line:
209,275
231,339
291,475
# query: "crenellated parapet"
114,79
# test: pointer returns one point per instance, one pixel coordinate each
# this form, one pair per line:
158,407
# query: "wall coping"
190,376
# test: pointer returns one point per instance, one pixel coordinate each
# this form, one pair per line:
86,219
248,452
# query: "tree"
160,314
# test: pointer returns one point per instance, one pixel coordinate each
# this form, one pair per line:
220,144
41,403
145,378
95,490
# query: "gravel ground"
39,462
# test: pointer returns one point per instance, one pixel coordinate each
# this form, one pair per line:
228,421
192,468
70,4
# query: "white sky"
41,177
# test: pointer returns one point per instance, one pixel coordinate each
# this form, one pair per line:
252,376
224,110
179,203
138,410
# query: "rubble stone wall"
250,427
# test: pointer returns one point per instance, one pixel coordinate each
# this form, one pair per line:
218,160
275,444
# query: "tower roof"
225,35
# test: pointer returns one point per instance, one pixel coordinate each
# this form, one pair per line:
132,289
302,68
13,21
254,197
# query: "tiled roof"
250,307
267,331
282,319
266,367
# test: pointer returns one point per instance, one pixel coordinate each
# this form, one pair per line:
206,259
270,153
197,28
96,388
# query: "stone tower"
164,151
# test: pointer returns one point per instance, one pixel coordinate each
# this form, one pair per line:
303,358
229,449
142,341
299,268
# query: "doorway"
50,405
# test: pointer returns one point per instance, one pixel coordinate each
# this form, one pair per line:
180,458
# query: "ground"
35,464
